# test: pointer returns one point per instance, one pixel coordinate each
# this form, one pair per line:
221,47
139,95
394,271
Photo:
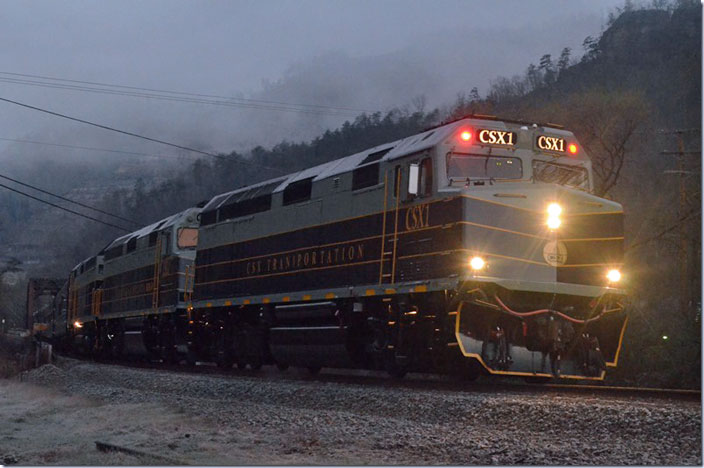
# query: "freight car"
473,246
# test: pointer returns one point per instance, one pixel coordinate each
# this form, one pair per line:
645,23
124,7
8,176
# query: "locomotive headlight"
554,210
614,276
77,324
477,263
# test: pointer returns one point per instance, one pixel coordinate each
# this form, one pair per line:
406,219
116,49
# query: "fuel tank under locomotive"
315,335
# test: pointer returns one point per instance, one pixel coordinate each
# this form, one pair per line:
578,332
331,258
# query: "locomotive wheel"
282,367
314,370
241,365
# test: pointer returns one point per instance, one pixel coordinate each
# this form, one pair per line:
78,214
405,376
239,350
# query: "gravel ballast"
57,413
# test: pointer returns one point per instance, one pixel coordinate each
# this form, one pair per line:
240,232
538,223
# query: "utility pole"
684,255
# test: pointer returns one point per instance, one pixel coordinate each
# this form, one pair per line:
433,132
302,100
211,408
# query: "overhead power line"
90,148
69,200
65,209
177,98
112,129
136,135
198,98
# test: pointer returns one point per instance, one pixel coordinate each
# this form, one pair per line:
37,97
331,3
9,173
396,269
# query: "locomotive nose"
554,235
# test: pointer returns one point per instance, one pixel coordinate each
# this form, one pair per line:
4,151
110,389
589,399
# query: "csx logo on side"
497,137
418,217
551,143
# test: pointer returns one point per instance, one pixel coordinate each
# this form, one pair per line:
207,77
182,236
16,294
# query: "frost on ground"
55,415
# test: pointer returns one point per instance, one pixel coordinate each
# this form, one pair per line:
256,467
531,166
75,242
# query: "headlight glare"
554,222
614,276
477,263
554,211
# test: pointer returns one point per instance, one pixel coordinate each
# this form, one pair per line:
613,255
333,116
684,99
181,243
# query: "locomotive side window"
476,166
420,178
413,176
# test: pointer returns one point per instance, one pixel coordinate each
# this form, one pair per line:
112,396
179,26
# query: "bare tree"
605,124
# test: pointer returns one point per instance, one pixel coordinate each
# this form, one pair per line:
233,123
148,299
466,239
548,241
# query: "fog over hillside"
361,57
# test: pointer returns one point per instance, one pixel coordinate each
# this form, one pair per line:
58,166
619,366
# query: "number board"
549,143
496,137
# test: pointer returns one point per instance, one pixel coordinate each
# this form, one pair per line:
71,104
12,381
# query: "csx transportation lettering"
551,143
339,255
497,137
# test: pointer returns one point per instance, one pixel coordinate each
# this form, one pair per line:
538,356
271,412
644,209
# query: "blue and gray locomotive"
475,246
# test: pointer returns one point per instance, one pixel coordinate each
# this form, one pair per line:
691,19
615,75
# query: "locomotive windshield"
479,166
187,238
548,172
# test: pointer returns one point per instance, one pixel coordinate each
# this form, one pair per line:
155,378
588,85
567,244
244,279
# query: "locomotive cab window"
480,166
420,178
187,238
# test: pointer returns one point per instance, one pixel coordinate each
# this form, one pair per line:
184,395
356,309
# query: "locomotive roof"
393,150
146,230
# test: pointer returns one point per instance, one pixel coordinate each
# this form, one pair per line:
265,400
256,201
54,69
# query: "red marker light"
572,148
466,135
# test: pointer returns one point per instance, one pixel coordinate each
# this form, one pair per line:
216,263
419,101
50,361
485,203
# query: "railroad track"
688,394
417,381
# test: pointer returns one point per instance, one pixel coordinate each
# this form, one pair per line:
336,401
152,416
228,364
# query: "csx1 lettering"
497,137
417,217
551,143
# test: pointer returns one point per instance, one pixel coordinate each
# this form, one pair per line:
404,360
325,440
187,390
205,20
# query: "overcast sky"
357,54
